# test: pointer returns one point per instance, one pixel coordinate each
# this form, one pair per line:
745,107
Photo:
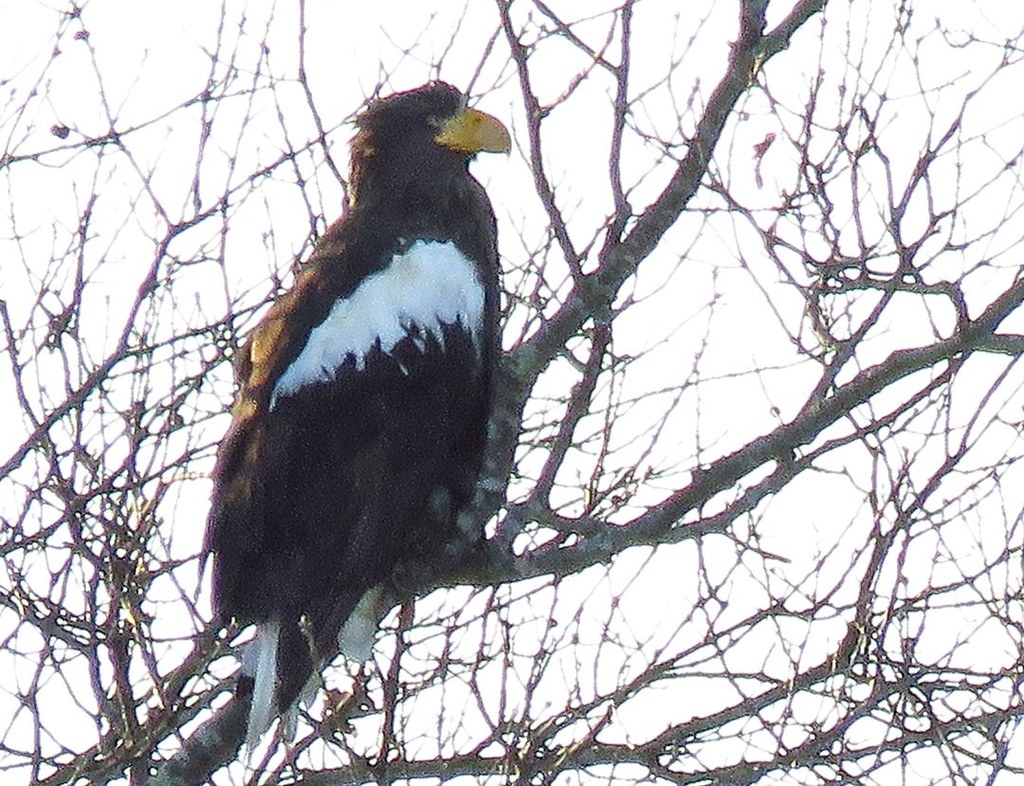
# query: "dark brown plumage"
364,393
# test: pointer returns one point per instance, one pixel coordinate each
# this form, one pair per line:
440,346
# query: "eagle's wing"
350,451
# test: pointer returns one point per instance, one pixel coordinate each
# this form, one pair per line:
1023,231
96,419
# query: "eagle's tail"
260,665
278,665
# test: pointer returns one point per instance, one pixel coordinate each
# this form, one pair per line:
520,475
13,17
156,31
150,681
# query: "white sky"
141,61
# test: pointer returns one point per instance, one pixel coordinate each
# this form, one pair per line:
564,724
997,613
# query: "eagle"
363,395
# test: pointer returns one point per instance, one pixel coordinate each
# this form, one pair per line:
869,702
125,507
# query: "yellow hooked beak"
472,131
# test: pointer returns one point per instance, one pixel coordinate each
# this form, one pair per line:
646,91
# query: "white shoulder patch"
429,285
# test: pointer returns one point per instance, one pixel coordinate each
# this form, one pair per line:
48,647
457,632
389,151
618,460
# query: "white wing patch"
429,285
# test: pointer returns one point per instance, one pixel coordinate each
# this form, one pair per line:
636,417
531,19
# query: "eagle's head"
419,136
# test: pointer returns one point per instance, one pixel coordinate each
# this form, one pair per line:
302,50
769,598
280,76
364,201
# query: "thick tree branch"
781,447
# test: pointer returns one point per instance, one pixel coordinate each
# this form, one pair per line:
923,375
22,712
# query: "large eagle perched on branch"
364,393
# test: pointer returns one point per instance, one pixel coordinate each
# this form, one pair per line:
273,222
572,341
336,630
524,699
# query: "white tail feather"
357,635
355,641
261,664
